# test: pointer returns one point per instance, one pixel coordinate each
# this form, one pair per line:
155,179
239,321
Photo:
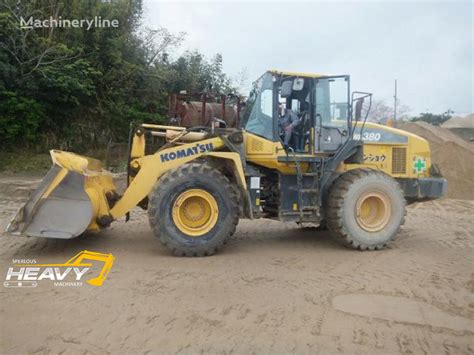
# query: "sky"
426,46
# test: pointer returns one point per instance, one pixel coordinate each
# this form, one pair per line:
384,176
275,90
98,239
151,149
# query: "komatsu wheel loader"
329,166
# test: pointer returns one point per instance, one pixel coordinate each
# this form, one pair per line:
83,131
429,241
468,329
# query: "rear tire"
184,196
366,208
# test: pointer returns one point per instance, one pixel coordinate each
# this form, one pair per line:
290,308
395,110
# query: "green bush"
78,89
20,119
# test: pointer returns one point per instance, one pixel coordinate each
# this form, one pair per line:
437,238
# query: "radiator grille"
399,160
257,146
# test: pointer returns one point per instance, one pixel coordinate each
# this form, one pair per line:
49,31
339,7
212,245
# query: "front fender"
151,167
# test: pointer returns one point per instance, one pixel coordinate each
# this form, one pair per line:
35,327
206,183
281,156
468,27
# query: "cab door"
332,112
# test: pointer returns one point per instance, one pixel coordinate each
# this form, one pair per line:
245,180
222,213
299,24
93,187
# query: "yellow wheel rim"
373,211
195,212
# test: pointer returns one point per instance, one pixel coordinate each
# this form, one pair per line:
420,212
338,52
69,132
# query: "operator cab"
307,113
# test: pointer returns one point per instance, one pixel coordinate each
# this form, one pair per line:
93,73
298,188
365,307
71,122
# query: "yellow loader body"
77,194
303,154
395,157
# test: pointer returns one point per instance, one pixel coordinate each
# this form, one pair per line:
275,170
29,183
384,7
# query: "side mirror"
358,97
298,84
217,123
358,109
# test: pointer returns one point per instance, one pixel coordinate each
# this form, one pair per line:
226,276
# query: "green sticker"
419,165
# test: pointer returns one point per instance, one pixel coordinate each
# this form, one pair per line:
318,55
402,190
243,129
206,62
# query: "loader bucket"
67,201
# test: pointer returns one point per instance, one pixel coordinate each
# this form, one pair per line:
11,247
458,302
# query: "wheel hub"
195,212
373,211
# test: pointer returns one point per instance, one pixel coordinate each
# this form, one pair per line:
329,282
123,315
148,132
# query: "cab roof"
292,73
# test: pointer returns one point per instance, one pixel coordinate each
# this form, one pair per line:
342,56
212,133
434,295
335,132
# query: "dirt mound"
454,156
462,127
460,122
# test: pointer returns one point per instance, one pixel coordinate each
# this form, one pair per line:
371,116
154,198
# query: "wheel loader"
328,167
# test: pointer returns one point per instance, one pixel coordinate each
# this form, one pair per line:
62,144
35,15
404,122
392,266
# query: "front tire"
366,208
193,210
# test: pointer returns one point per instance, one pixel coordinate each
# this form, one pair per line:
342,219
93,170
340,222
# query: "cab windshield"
258,114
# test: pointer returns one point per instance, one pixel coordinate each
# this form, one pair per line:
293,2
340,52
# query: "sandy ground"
274,289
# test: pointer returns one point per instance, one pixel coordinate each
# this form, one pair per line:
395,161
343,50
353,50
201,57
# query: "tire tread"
161,188
335,208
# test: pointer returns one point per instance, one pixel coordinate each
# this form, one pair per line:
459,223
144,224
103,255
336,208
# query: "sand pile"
454,156
460,122
461,126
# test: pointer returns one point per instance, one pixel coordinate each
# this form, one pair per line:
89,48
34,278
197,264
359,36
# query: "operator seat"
303,130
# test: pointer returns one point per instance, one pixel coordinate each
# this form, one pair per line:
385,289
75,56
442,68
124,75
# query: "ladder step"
295,188
296,213
309,190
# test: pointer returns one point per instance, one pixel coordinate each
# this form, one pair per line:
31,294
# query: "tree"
194,73
77,88
434,119
380,112
241,81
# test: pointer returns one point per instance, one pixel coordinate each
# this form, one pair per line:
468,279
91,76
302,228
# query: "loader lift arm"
144,170
151,167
